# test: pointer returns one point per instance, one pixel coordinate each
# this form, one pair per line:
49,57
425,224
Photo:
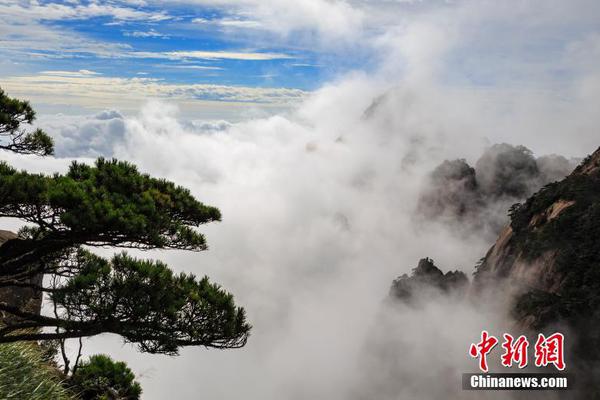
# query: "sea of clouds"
318,206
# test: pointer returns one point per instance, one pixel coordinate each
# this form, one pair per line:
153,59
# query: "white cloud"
91,136
318,209
417,49
211,55
26,38
318,203
230,22
200,67
55,11
104,133
80,74
331,19
304,65
146,34
91,91
317,222
241,23
26,34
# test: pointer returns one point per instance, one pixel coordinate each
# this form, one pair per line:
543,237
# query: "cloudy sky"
208,54
312,125
86,53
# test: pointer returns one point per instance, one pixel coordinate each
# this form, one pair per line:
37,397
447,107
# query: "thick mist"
475,199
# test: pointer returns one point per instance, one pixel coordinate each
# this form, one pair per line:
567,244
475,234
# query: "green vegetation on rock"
573,237
101,378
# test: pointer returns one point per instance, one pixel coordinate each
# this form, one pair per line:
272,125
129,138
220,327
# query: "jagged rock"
505,170
452,191
426,276
476,198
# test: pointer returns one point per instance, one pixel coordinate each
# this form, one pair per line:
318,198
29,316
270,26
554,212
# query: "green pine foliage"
573,235
13,137
101,378
574,239
111,204
148,304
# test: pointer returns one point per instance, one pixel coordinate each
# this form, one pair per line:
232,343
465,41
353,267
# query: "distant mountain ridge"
475,198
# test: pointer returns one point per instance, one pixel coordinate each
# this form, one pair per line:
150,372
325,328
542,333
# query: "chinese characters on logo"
548,350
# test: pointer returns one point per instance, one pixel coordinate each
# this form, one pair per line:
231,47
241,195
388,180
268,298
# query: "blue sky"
220,43
188,29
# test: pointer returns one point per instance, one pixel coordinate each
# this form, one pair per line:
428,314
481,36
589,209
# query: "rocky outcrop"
6,235
589,166
475,198
452,192
425,278
22,297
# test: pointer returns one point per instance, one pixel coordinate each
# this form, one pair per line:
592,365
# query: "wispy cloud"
80,74
332,19
231,22
241,23
211,55
56,11
90,90
305,65
146,34
20,38
199,67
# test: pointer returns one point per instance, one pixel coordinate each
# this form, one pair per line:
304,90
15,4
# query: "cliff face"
24,298
545,265
549,256
550,252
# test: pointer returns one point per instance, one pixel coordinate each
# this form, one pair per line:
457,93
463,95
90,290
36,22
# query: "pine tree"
108,204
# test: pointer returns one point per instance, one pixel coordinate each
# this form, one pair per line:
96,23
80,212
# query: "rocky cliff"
549,258
22,297
545,265
550,251
6,235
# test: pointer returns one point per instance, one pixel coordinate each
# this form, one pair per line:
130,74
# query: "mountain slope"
551,250
549,258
